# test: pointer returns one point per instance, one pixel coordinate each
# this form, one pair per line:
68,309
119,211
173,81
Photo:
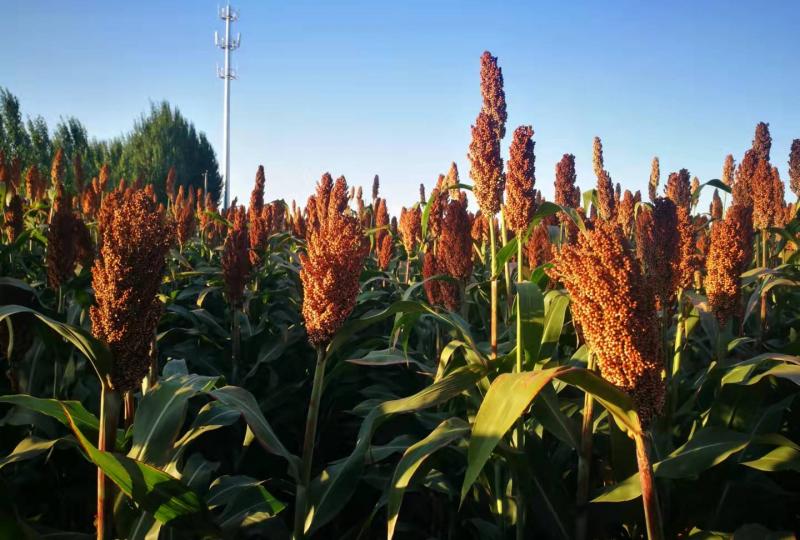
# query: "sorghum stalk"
493,319
652,511
584,461
308,445
109,419
330,269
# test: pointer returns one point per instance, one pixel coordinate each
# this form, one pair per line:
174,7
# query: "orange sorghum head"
729,254
743,182
486,164
411,228
385,252
762,142
613,304
335,252
538,249
236,256
625,213
679,189
715,210
126,276
455,247
794,167
519,204
657,243
494,97
61,249
655,178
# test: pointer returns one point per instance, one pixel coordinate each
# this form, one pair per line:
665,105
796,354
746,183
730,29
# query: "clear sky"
365,87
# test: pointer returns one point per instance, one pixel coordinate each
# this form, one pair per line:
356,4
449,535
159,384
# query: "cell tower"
229,15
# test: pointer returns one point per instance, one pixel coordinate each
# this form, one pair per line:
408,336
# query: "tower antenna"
227,44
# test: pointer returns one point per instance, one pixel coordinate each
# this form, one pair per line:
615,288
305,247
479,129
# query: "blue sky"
365,87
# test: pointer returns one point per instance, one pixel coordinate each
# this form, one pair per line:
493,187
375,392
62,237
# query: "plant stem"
584,462
301,499
493,313
109,419
506,266
235,346
680,338
652,512
408,269
764,261
128,408
520,434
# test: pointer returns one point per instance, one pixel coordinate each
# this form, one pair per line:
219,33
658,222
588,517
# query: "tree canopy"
161,138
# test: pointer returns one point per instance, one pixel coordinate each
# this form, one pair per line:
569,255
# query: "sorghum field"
604,365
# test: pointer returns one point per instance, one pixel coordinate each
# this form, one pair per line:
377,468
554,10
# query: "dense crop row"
597,366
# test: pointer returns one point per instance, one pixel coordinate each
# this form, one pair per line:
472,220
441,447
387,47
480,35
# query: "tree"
163,139
14,139
41,151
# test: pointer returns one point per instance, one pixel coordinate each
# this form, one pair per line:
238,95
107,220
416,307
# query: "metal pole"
227,111
228,44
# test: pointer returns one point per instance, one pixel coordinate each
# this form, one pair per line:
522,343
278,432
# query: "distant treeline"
160,139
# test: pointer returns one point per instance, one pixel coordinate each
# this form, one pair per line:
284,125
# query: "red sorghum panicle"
411,228
385,250
743,183
538,249
729,255
686,263
376,187
613,304
236,257
679,189
331,267
625,213
605,187
763,196
454,252
657,244
727,171
762,142
794,167
715,210
439,198
126,277
519,207
183,212
257,228
655,178
61,249
91,199
567,193
486,165
381,222
494,97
